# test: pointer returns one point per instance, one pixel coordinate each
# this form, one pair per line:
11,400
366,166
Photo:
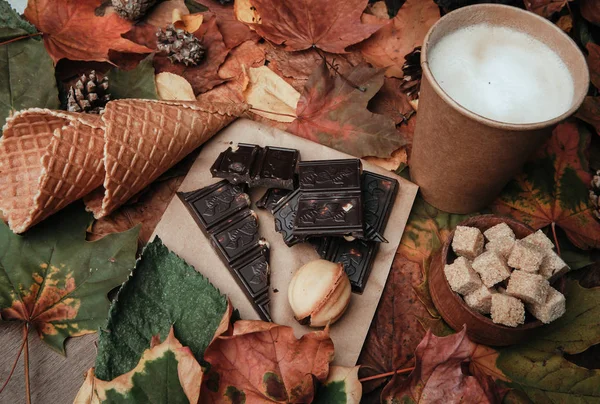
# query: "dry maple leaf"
264,362
333,112
72,30
388,46
234,32
545,8
593,61
590,112
553,188
438,376
329,25
206,75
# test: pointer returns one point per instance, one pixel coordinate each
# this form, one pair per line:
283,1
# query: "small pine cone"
133,9
180,46
89,94
595,194
411,81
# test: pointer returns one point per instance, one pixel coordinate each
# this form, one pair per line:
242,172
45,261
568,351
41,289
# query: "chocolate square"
275,168
378,196
235,164
271,198
236,236
329,174
284,215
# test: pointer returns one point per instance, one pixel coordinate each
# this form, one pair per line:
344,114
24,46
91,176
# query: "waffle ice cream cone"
143,139
48,159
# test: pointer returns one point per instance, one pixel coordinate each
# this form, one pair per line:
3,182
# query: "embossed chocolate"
325,214
284,215
271,198
329,174
271,167
378,195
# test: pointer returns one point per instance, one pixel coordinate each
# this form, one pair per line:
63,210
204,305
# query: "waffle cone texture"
49,159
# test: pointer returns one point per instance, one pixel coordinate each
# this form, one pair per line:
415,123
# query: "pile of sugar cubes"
504,276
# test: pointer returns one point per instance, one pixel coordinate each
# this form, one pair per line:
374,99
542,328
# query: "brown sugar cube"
467,242
553,267
502,246
461,277
507,310
491,267
553,307
530,288
540,239
526,256
480,299
499,231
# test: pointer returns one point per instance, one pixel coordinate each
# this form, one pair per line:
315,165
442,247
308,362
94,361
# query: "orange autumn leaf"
73,30
329,25
545,8
553,188
234,32
333,111
593,61
388,46
264,362
590,112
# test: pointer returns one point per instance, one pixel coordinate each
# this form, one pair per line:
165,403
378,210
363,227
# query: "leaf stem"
26,360
19,38
382,375
553,226
346,79
14,365
273,113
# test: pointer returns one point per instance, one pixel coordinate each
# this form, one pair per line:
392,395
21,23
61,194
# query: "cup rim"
577,99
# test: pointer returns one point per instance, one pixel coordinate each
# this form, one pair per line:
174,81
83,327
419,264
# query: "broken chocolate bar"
357,256
221,211
329,174
211,205
271,167
284,215
378,195
271,198
326,214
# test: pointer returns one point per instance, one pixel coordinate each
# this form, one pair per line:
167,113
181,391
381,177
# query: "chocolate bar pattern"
271,167
271,198
284,215
378,196
329,175
222,212
357,256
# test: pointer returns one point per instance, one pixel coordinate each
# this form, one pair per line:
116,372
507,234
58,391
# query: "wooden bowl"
453,308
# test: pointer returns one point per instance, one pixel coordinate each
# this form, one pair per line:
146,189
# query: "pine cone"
133,9
595,194
89,94
411,81
180,46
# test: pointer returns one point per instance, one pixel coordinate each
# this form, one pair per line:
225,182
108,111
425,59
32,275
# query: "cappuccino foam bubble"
502,74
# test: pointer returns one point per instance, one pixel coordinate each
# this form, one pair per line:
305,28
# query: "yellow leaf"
245,12
188,22
162,15
171,86
270,93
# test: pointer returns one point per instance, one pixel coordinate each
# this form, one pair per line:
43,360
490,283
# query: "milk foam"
502,74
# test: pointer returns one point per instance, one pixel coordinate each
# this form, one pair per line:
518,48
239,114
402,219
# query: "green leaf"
539,368
136,83
341,387
163,291
11,23
57,281
26,78
166,373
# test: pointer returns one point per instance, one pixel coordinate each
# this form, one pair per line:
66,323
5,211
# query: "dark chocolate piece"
275,168
357,256
215,203
329,214
378,196
252,274
284,214
271,167
236,236
271,198
236,165
329,174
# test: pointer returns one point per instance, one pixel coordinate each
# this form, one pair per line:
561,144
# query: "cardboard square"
180,233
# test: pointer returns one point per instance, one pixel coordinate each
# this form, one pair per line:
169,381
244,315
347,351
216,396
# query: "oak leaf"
438,374
331,25
55,280
234,32
333,111
388,46
552,190
73,30
204,76
545,8
590,10
264,362
166,373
